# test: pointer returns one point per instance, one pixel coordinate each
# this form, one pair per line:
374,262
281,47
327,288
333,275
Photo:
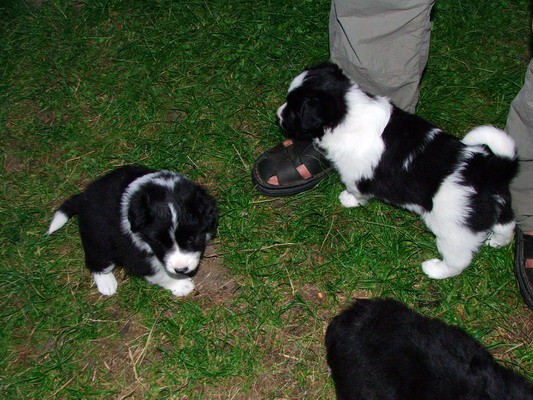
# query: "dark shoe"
524,275
290,167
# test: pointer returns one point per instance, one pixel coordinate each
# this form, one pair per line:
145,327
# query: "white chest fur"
355,146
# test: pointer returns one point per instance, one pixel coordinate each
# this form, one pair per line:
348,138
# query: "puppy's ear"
317,113
147,205
207,209
139,211
310,116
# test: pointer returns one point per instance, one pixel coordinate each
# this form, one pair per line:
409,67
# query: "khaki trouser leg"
382,45
520,127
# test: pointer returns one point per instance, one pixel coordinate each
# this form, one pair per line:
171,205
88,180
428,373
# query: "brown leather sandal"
290,167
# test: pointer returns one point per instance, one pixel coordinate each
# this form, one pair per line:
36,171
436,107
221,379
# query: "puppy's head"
315,102
174,219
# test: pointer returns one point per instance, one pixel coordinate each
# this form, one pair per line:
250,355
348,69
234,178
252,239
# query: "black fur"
381,350
435,161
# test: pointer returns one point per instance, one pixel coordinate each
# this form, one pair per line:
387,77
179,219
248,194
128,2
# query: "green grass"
193,86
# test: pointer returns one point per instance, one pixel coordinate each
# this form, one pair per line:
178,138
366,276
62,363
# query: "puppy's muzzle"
180,262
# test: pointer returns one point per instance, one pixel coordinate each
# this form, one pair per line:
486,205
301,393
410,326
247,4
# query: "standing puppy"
381,350
459,188
155,224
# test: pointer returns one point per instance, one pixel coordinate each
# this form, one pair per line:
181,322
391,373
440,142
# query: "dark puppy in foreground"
380,349
155,224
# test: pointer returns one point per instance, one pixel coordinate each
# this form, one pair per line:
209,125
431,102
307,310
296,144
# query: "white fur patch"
501,234
498,141
60,219
355,146
179,285
456,243
348,200
280,111
450,204
183,262
106,283
414,208
174,215
437,269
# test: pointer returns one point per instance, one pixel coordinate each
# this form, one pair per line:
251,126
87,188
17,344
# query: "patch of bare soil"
518,332
294,365
120,358
13,164
213,282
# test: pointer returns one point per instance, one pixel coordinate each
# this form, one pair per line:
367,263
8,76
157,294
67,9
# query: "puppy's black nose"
181,270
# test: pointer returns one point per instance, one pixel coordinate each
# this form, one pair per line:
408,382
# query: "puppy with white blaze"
460,188
379,349
154,224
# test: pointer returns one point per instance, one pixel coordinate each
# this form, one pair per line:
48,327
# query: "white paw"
181,287
349,200
437,269
498,240
492,242
106,283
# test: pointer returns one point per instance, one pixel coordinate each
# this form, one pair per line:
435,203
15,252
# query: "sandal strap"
309,155
288,161
527,246
286,164
297,166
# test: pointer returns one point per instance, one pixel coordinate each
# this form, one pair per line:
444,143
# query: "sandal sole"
520,271
288,191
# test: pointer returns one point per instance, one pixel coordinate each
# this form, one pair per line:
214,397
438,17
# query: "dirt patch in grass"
517,332
13,164
296,367
121,357
214,284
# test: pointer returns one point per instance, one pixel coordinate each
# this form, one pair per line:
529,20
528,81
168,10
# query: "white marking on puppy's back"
60,219
419,150
498,141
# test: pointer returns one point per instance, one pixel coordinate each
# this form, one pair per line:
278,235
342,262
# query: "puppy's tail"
502,165
67,210
500,143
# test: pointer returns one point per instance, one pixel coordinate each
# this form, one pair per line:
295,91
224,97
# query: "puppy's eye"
163,238
194,241
187,240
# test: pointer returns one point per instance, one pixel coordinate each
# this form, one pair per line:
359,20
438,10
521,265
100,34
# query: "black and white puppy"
380,349
155,224
459,187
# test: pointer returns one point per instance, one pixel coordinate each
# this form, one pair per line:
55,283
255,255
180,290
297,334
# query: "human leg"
387,61
382,45
520,128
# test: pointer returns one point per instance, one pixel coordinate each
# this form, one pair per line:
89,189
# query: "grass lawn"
193,86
